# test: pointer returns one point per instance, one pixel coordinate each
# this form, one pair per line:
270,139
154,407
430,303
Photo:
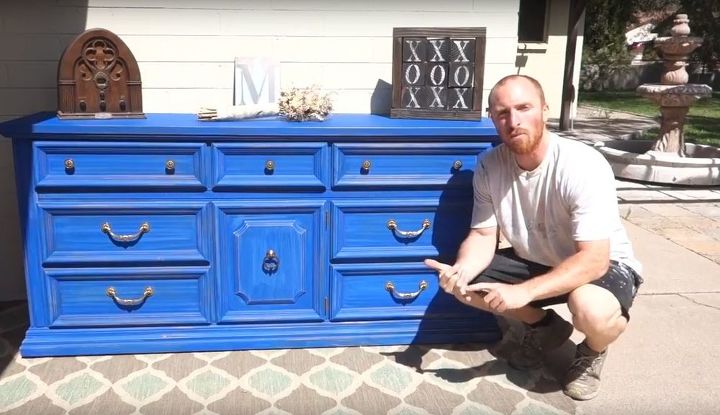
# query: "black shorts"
621,280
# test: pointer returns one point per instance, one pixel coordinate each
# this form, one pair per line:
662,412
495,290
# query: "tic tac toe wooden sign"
438,72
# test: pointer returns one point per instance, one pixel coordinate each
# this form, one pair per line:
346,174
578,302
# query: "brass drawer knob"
457,165
69,165
271,262
270,165
170,166
366,165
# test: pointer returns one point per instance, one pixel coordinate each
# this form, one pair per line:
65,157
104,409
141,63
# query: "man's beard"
526,145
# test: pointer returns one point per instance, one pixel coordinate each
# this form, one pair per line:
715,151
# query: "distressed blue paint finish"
360,294
423,165
174,127
73,233
270,165
361,229
120,165
216,215
80,298
58,342
255,287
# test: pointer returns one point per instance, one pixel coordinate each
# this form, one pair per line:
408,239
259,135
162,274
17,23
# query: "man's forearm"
477,251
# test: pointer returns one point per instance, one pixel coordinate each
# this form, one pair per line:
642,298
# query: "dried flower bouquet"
303,104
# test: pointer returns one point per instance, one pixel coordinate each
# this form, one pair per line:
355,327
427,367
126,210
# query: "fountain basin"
634,160
677,46
674,95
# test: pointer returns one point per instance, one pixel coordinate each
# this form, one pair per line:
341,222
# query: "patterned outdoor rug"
402,380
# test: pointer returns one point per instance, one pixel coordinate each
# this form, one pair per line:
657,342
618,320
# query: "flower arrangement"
304,104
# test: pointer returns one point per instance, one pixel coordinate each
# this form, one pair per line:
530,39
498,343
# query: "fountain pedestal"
669,159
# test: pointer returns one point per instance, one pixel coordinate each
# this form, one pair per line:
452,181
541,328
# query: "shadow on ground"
489,360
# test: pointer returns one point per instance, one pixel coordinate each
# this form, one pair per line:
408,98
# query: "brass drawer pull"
69,165
393,226
366,165
170,166
112,293
457,165
270,165
271,262
390,287
144,228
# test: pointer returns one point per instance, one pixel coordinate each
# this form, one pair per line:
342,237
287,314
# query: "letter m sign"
257,81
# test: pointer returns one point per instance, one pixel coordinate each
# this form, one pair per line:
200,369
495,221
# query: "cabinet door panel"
270,261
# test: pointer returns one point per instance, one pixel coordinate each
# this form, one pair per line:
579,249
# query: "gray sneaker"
539,340
582,381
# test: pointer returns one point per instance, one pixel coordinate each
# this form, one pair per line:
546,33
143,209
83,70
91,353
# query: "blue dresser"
169,234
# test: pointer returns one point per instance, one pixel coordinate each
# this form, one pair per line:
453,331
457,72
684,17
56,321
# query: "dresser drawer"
125,233
133,297
407,165
389,292
276,166
120,166
399,228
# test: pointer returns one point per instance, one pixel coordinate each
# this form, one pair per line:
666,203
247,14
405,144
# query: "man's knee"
595,310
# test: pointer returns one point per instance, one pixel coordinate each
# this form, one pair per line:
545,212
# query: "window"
531,20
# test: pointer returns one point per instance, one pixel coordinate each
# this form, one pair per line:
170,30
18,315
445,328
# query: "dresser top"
337,125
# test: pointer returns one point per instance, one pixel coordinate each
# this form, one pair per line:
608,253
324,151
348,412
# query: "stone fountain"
669,159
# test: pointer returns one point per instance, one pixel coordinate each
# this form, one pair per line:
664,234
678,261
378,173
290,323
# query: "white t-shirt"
569,197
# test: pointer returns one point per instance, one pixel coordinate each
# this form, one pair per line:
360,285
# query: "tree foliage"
704,18
606,22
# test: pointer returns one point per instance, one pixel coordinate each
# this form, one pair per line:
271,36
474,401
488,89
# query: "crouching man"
554,200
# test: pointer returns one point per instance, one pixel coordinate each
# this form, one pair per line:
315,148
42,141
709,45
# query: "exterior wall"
185,50
545,61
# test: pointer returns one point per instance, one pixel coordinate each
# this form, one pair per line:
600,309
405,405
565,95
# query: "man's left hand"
501,297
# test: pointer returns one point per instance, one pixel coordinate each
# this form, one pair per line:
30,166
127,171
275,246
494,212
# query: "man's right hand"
455,282
451,276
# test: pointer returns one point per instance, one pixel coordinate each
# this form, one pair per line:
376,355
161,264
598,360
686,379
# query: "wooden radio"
98,77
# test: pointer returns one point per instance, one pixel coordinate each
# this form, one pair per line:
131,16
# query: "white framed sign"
257,81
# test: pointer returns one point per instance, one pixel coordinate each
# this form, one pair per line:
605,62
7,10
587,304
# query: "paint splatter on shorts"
621,280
